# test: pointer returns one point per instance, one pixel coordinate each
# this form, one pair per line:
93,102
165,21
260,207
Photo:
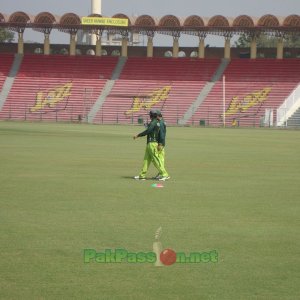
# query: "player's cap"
158,112
153,113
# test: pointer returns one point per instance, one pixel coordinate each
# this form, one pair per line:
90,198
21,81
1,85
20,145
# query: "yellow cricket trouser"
161,156
152,155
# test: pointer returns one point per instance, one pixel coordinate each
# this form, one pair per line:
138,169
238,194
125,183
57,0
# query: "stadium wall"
141,51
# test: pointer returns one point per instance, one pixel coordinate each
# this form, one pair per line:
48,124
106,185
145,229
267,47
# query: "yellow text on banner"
104,21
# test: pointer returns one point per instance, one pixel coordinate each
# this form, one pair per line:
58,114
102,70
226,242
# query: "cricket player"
151,152
161,146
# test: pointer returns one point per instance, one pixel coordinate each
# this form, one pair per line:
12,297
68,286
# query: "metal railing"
289,106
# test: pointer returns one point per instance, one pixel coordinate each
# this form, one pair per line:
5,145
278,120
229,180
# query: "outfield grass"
68,187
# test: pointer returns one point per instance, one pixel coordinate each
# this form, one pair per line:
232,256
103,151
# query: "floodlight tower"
96,9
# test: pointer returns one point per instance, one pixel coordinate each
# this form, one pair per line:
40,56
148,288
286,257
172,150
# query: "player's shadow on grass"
127,177
131,177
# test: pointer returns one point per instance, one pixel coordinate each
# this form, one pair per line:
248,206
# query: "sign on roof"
104,21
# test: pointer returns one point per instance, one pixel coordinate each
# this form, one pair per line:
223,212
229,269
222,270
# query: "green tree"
6,36
243,41
266,41
293,40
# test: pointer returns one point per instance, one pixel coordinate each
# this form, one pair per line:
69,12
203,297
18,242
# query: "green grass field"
68,187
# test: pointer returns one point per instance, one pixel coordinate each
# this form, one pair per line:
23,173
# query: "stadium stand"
175,69
65,88
57,87
6,61
252,87
170,85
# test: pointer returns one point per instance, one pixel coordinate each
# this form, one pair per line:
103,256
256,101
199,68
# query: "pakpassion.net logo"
158,256
167,257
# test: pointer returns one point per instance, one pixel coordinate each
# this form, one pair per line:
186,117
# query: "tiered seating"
6,61
175,69
251,87
65,88
59,88
170,85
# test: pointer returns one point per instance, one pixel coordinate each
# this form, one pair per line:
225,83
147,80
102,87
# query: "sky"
159,8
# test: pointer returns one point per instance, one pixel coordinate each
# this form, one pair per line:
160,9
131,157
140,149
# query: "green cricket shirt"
152,132
162,132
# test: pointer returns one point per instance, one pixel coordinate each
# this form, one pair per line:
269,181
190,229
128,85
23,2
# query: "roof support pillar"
175,46
150,46
201,48
124,46
253,48
20,43
98,46
280,48
227,48
73,44
46,44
